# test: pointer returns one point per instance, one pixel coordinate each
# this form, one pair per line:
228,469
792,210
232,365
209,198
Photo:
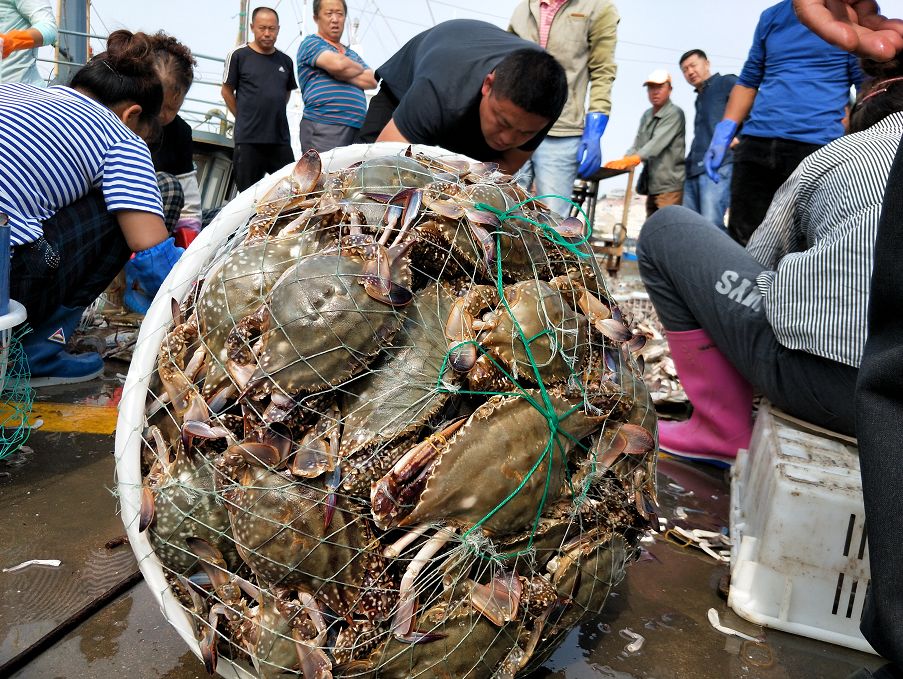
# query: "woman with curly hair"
81,196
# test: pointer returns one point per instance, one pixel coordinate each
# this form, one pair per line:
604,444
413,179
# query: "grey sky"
652,34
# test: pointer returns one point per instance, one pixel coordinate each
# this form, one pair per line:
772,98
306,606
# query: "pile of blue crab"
397,428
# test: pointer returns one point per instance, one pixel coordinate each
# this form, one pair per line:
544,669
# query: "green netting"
16,395
396,429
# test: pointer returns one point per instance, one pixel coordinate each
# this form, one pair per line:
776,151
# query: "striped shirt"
547,11
817,243
55,146
327,100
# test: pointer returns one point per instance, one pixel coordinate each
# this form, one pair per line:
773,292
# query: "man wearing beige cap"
659,144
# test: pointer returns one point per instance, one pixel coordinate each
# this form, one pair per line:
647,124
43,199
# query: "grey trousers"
323,137
698,277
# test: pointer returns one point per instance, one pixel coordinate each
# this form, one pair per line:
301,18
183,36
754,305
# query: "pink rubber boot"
722,402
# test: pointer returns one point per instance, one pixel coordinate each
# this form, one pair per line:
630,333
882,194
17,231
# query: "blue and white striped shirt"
327,100
55,146
817,243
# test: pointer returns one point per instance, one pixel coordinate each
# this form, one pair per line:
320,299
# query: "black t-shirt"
261,82
173,150
437,76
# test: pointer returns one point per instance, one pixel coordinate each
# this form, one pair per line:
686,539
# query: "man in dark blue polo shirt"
701,194
469,87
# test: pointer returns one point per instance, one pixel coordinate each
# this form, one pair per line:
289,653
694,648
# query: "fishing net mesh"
16,395
395,428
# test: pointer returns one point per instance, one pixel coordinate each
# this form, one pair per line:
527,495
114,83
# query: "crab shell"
557,336
400,394
473,475
179,501
468,645
239,286
279,528
320,324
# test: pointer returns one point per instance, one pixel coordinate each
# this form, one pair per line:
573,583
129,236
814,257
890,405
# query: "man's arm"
366,80
391,133
228,93
854,25
513,159
602,67
740,103
346,69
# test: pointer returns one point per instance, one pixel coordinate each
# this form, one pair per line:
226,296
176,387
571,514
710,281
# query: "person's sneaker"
889,671
45,349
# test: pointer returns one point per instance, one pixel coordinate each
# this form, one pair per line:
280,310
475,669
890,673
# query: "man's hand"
625,163
17,40
854,25
721,139
589,153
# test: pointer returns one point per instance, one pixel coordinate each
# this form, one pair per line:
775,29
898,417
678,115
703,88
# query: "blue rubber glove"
589,153
721,139
145,273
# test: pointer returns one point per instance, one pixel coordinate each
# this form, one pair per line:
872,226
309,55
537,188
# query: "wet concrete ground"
56,503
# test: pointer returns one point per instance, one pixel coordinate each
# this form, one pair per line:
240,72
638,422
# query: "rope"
546,407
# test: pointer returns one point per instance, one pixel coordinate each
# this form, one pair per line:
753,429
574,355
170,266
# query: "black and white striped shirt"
817,243
55,145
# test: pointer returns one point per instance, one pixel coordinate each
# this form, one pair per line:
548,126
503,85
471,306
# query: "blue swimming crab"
323,320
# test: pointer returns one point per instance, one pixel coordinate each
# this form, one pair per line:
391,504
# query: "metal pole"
243,22
71,50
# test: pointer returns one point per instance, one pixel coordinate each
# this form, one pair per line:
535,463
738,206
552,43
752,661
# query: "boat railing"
204,108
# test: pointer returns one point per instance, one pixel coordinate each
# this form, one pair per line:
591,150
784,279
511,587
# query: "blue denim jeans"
709,199
553,168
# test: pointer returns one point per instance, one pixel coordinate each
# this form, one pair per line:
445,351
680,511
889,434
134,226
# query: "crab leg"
313,661
403,621
411,212
397,547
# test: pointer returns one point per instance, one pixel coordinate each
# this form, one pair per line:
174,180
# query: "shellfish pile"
396,429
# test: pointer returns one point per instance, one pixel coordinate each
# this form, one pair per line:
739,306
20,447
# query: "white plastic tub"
800,557
130,424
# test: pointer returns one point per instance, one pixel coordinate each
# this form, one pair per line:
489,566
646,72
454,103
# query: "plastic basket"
799,558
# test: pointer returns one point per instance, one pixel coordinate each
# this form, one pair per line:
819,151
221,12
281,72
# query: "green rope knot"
550,233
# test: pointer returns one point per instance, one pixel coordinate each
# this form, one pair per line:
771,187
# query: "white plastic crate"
799,560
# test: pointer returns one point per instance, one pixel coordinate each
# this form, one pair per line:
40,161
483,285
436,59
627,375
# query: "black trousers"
379,113
760,167
879,428
80,253
253,161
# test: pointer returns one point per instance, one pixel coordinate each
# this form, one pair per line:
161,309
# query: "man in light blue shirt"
25,25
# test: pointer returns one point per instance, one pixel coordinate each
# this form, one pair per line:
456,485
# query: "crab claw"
307,170
146,514
389,497
312,660
459,329
446,208
499,600
209,653
257,454
378,280
631,439
571,227
211,560
614,330
194,429
463,356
